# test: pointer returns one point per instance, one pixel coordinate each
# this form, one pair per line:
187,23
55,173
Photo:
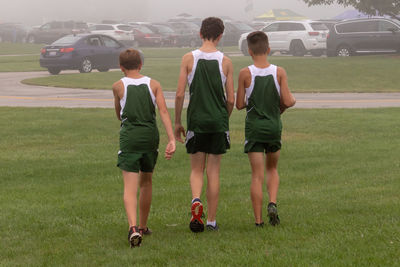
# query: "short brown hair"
211,28
258,42
130,59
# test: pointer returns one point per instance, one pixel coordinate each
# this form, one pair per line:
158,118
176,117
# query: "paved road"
14,93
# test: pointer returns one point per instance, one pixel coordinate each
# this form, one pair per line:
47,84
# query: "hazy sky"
35,12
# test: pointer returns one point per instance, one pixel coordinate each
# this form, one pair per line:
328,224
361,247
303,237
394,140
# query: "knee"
145,182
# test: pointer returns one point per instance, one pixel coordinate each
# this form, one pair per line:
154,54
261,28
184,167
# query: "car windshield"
319,27
143,29
164,29
397,21
67,40
124,28
243,27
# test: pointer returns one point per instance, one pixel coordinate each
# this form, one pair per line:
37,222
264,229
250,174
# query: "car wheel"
192,43
104,69
86,66
245,50
316,53
297,48
54,71
344,51
31,39
135,44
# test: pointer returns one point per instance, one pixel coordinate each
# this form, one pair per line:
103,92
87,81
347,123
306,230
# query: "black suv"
362,36
52,31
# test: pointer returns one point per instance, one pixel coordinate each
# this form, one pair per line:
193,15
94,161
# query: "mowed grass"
354,74
61,194
7,48
20,63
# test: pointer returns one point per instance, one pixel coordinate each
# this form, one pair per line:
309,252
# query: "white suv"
120,32
293,37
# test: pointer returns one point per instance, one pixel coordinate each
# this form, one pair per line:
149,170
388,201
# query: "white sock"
213,223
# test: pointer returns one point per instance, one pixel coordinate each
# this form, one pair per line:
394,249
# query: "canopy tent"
280,14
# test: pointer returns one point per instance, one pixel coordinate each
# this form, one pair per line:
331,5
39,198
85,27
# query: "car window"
291,27
386,26
272,28
164,29
318,26
67,40
104,28
69,24
124,28
93,41
108,42
143,29
56,25
358,27
81,25
243,27
45,26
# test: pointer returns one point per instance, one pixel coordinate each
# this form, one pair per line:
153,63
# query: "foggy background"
37,12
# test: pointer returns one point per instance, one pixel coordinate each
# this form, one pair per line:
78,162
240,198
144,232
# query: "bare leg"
198,162
145,183
213,167
272,175
131,180
257,179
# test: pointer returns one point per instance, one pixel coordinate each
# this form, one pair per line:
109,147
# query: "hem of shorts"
127,169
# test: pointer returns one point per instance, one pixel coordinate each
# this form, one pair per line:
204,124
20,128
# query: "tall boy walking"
207,71
263,90
135,97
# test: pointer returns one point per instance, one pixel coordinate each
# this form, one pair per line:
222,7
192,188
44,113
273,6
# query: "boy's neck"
209,46
134,74
261,61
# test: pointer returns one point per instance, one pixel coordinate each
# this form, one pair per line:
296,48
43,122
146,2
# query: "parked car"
364,36
52,31
12,32
83,52
144,36
168,35
188,33
120,32
233,31
293,37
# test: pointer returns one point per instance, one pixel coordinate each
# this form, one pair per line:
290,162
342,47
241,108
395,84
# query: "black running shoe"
273,214
196,223
212,228
134,236
145,231
259,225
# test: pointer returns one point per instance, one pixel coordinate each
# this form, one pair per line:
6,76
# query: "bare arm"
118,89
230,92
180,96
162,107
287,98
244,76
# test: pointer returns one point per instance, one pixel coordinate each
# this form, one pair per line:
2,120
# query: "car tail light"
327,35
67,50
313,33
147,36
43,51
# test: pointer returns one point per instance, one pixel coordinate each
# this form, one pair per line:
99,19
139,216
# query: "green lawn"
355,74
19,48
61,194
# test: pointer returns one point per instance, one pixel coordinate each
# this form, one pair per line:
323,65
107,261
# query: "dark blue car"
83,52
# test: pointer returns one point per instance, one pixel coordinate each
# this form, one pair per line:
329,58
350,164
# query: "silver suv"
293,37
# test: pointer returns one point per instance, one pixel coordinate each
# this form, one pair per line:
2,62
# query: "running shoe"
196,223
212,228
273,214
134,236
145,231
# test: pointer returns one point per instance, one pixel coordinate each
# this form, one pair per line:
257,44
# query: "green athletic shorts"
135,162
210,143
267,147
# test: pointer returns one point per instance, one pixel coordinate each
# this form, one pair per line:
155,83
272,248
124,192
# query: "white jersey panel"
130,81
197,54
271,70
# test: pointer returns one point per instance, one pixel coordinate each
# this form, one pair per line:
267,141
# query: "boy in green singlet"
263,90
207,72
135,98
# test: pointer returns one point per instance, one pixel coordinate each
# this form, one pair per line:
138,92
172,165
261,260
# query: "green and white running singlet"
207,111
263,121
138,131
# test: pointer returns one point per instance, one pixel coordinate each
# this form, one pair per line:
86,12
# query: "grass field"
355,74
19,48
61,194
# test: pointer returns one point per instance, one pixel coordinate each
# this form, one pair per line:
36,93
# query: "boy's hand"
178,131
170,149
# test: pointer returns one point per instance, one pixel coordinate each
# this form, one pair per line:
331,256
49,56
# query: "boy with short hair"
263,90
207,71
135,97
